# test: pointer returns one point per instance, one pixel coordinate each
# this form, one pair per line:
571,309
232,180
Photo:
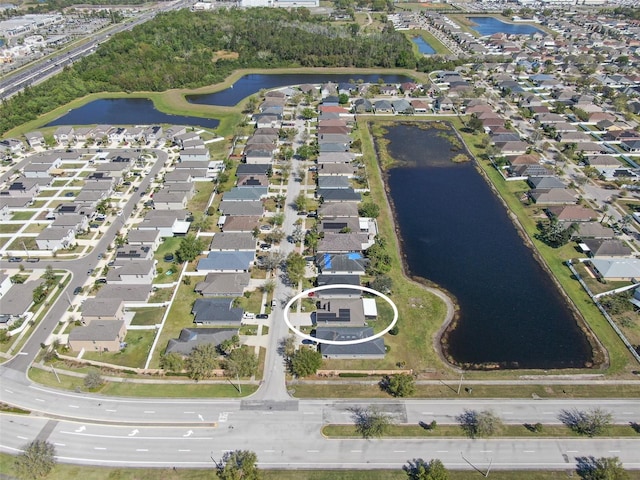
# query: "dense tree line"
184,49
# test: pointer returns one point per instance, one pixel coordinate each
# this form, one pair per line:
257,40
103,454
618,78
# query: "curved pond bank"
456,233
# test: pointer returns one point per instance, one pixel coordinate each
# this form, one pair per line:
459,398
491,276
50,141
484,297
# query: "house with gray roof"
341,263
243,209
336,157
343,242
339,312
98,336
334,138
545,182
233,241
17,300
227,261
133,271
339,195
553,196
616,268
339,169
54,239
337,209
607,247
168,199
167,222
374,349
383,106
134,252
102,309
253,180
34,139
333,147
191,338
402,107
340,224
330,182
223,284
216,311
324,280
253,169
593,230
245,194
128,293
137,237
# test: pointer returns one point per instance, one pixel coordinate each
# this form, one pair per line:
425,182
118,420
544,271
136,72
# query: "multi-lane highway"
53,64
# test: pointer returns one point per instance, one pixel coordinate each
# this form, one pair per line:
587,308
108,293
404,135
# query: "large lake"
456,233
490,25
126,111
423,47
252,84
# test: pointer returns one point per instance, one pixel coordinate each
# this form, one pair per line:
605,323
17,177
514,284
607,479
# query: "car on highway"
33,259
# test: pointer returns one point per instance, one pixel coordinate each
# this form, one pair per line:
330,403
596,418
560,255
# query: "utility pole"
460,384
25,249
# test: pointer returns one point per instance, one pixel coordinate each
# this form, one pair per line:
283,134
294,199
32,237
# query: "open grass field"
65,472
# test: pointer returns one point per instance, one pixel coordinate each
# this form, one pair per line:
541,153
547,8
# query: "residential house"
218,311
341,264
98,336
63,134
133,272
131,294
233,241
54,239
616,268
554,196
227,261
339,195
134,252
102,309
383,106
345,312
168,222
340,292
239,223
245,208
223,284
190,338
606,247
374,349
34,139
245,194
572,213
18,299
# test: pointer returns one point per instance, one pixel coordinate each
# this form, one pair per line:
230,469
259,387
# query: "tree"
276,219
308,113
370,422
172,362
239,465
475,124
274,236
229,345
369,210
271,261
603,468
398,385
305,361
418,469
479,424
93,380
202,360
268,286
190,247
592,422
241,362
553,232
298,234
295,265
36,460
301,202
39,293
343,98
382,283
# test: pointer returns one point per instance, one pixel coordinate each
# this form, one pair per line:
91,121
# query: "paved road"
287,438
78,269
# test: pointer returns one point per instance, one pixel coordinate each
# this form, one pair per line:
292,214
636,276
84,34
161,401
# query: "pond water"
126,111
490,25
251,84
456,233
423,46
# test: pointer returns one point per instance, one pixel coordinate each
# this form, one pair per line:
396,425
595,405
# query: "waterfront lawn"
430,39
200,200
133,355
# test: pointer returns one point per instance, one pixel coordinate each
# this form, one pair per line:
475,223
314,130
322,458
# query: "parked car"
274,303
77,290
101,280
33,259
262,316
15,259
248,315
265,246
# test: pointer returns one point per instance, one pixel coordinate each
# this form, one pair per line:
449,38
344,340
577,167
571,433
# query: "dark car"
101,280
33,259
77,290
262,316
15,259
69,194
306,341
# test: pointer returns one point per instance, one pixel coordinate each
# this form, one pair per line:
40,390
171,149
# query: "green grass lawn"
516,431
65,472
133,355
147,316
253,303
22,215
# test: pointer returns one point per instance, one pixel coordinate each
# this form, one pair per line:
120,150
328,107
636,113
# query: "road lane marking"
627,413
572,451
356,451
60,444
39,400
134,438
8,391
486,451
442,451
308,413
614,451
427,413
184,450
399,451
269,451
141,450
548,413
22,438
149,411
99,448
110,410
313,451
189,412
529,451
507,413
74,406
